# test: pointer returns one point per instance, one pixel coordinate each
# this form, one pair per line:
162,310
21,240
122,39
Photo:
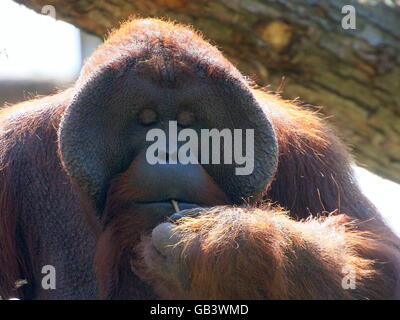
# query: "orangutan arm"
228,253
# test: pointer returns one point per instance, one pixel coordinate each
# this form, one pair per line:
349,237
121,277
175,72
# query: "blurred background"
39,55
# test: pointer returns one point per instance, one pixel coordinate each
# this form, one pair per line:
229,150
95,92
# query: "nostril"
170,155
165,155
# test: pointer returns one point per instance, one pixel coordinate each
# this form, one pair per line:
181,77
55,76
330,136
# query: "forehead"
167,72
169,78
165,85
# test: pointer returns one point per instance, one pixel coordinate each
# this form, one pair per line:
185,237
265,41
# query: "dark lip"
166,202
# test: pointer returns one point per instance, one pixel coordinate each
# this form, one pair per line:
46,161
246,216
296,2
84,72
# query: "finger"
164,239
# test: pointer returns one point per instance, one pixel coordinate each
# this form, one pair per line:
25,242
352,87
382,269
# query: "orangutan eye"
185,118
147,116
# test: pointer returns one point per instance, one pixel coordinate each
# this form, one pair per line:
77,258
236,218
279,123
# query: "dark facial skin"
140,104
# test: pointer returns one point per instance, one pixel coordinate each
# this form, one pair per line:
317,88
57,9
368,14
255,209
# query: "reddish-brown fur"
272,254
262,253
